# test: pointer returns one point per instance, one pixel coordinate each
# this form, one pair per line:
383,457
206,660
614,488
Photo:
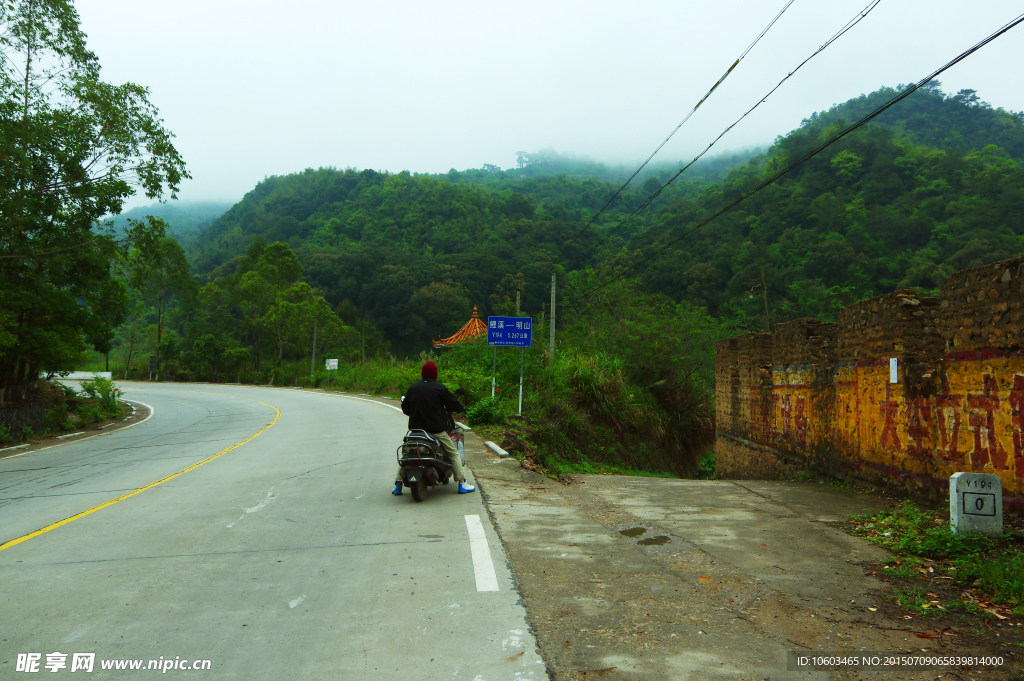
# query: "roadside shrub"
487,411
57,417
706,469
90,412
5,434
105,392
69,392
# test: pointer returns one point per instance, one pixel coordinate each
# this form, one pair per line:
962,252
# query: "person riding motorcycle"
429,405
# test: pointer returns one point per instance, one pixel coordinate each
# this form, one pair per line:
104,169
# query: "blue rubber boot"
398,489
466,488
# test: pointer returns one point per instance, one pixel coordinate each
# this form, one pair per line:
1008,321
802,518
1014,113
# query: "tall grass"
593,411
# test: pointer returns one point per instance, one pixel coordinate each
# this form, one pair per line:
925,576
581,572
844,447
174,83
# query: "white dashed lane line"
486,580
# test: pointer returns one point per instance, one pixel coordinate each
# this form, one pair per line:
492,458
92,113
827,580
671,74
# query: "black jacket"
428,404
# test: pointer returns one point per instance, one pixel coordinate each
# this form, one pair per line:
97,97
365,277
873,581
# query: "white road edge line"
307,391
374,401
43,449
483,567
298,390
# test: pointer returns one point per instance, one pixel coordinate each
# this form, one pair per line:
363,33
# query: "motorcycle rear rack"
420,448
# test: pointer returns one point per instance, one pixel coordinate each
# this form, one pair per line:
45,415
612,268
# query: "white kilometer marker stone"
486,580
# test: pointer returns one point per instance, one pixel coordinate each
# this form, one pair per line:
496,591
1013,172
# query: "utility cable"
850,24
676,129
903,94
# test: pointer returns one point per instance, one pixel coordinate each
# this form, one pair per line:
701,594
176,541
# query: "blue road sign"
516,332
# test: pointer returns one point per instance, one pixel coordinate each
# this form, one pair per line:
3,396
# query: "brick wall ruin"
821,393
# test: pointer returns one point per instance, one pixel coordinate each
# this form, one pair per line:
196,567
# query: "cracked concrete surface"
738,575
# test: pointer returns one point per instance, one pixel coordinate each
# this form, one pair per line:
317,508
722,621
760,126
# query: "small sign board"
154,364
332,364
976,503
894,375
516,332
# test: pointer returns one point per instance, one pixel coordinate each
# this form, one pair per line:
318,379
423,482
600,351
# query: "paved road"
285,557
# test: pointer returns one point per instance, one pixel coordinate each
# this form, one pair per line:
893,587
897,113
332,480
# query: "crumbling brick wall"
957,403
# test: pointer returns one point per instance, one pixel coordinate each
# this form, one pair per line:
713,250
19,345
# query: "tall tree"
74,148
140,266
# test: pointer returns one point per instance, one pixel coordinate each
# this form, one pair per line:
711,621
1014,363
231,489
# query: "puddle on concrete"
654,541
632,532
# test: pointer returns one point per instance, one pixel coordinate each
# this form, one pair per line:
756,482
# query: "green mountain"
185,220
929,117
932,186
877,211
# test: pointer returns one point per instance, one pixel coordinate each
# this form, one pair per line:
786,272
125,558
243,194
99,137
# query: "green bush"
57,418
69,392
487,411
90,412
5,434
706,469
105,392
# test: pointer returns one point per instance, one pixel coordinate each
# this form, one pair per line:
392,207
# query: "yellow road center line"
61,523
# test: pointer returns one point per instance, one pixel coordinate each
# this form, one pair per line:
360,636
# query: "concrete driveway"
647,578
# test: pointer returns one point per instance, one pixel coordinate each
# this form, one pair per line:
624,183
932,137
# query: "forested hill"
961,122
185,221
933,186
414,252
872,213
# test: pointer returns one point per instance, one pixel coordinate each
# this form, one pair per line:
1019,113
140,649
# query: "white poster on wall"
893,370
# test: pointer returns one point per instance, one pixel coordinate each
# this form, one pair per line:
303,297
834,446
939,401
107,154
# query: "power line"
850,24
806,157
676,129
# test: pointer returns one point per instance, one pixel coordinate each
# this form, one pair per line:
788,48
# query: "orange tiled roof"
474,328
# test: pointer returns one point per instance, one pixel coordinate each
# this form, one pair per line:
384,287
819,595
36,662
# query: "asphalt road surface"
282,557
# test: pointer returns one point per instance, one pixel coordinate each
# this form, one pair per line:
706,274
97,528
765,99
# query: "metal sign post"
522,356
515,332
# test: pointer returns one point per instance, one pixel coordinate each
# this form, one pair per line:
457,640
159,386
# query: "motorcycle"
423,461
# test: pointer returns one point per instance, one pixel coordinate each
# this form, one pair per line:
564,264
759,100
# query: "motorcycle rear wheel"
417,488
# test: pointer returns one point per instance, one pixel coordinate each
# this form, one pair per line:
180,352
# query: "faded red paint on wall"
820,391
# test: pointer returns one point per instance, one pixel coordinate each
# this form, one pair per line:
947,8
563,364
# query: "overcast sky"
258,88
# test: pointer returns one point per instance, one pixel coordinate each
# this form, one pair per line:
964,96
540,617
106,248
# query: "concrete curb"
496,449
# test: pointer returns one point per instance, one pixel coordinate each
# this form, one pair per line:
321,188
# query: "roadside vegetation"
972,580
61,408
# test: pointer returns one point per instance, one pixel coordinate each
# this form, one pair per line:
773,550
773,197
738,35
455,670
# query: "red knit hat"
429,371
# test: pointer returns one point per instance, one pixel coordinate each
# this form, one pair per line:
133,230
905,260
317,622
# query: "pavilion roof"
471,330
